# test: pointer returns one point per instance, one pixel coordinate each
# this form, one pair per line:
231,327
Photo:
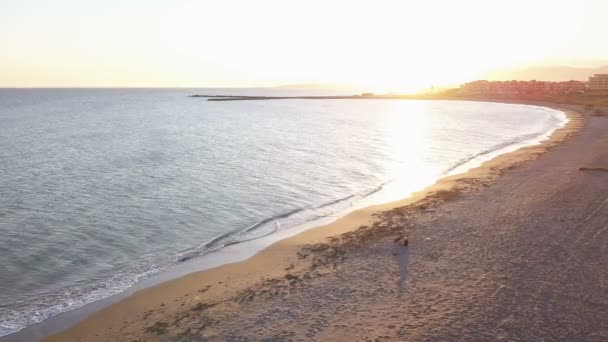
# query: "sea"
103,188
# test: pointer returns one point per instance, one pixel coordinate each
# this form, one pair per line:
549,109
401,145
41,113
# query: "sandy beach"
514,250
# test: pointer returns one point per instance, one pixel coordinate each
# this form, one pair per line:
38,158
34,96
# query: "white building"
598,82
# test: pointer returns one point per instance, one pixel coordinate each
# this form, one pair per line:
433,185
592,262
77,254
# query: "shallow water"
102,188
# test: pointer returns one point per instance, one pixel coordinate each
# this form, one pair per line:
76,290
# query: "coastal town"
596,83
593,94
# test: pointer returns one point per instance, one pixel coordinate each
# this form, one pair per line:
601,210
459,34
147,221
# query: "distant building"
475,87
569,87
521,87
598,82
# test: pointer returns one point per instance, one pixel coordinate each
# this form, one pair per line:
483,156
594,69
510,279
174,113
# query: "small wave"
277,217
375,190
334,202
49,304
518,140
240,235
494,148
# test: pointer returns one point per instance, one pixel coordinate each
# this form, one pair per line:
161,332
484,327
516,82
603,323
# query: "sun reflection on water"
408,139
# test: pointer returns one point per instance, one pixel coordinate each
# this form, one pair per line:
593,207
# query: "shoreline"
263,264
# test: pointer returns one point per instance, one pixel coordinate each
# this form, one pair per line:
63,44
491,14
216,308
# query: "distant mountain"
546,73
318,86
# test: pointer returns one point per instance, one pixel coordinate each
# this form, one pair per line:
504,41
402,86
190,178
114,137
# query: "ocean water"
102,188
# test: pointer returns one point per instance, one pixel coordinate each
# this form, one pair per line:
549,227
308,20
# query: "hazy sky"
399,45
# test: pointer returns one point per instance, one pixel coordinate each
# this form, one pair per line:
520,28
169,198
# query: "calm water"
100,188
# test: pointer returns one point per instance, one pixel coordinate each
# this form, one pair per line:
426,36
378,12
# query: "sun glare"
388,45
408,127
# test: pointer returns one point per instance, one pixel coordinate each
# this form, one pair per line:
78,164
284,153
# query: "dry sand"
515,250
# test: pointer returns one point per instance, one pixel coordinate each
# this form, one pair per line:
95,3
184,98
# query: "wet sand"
513,250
